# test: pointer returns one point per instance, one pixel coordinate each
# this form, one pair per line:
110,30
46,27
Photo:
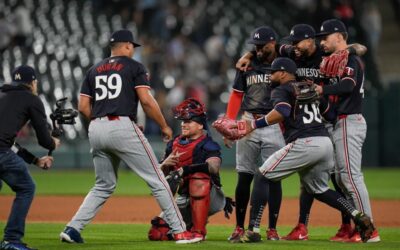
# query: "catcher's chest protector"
185,150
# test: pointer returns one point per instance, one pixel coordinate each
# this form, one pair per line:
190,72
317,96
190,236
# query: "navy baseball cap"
23,74
332,26
283,64
123,36
262,35
301,32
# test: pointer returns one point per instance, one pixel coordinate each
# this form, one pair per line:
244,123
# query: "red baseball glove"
230,129
335,64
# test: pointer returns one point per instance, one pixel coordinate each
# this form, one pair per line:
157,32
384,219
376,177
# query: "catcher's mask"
191,109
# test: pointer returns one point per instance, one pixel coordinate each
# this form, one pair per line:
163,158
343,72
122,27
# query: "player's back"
111,84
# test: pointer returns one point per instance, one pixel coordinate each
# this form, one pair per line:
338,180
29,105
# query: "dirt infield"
142,209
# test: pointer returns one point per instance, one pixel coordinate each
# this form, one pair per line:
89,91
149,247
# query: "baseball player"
251,93
309,151
308,54
192,161
19,104
350,129
109,98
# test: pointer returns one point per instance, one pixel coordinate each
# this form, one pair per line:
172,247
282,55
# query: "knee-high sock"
242,195
274,202
306,201
259,198
335,200
346,219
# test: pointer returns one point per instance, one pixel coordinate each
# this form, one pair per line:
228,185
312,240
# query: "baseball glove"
229,128
335,64
305,92
174,179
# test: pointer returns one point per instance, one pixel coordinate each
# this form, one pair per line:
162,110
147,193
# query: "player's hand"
247,128
318,89
167,133
57,142
172,160
243,63
45,162
228,143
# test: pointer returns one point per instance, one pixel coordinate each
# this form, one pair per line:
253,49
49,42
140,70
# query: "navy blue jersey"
198,150
349,88
195,152
111,84
304,121
307,67
255,83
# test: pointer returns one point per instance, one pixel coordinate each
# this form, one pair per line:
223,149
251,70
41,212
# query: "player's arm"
85,106
244,62
234,103
357,49
151,108
345,85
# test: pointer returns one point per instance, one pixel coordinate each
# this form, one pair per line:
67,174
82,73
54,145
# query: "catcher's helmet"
191,109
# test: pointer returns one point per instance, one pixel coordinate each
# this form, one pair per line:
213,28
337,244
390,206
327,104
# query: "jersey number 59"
109,86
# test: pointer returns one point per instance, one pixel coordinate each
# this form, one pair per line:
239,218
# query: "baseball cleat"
236,235
6,245
300,232
343,234
251,237
187,238
364,226
71,235
356,238
272,234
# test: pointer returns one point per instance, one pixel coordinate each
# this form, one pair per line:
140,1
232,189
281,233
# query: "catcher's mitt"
335,64
229,128
305,92
174,179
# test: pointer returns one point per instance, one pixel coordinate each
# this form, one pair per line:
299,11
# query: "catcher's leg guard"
159,230
199,190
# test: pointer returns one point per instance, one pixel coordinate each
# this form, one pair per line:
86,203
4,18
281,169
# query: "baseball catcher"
191,165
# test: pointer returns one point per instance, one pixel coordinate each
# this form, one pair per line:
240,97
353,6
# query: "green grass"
382,183
124,236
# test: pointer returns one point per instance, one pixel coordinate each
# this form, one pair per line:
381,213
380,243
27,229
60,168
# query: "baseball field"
124,219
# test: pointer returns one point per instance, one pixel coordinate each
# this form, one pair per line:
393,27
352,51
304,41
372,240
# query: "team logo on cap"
17,77
257,35
292,32
322,28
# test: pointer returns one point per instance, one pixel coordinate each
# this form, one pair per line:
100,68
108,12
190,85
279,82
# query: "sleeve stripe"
85,95
326,110
283,103
142,86
345,78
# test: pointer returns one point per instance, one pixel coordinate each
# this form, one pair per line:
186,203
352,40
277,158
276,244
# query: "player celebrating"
109,98
196,158
350,129
251,92
309,151
308,54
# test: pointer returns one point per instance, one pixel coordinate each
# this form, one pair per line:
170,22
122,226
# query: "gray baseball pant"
111,142
348,136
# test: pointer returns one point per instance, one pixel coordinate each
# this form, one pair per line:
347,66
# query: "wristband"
260,123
